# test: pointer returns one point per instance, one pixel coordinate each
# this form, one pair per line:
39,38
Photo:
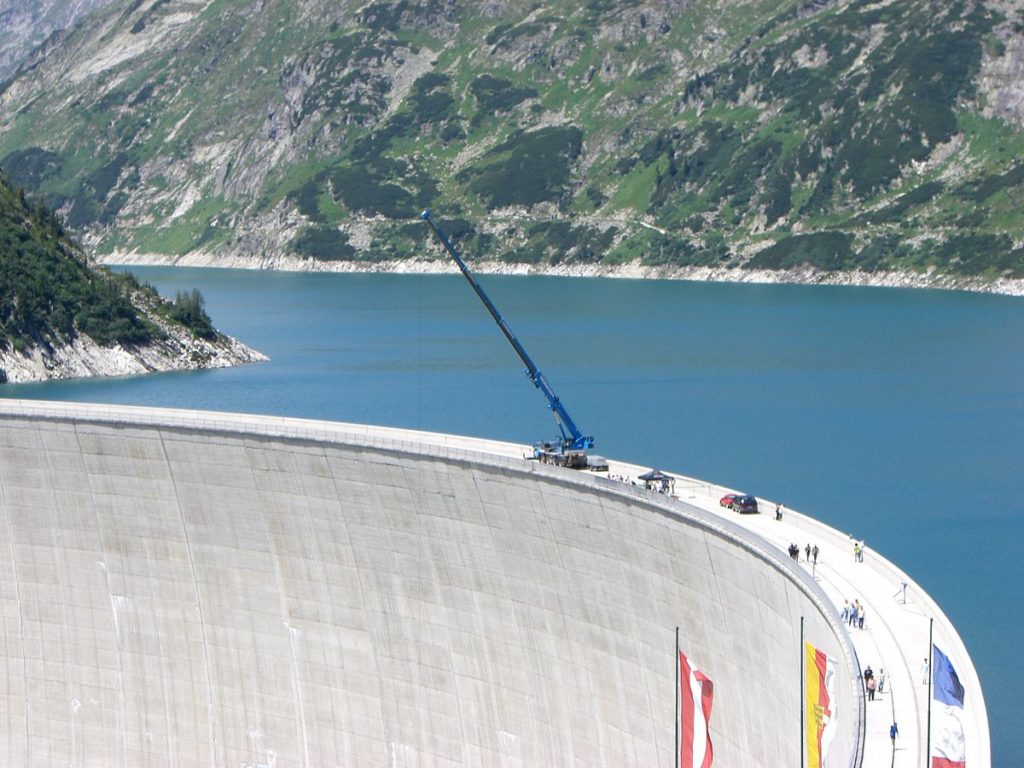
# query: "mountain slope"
26,24
756,134
62,316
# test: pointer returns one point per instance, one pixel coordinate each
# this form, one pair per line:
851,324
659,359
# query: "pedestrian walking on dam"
893,733
778,511
814,553
871,688
881,681
860,618
807,551
924,672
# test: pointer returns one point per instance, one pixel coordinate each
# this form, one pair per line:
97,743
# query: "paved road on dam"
896,627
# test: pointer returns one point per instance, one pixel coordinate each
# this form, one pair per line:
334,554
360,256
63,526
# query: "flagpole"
803,682
677,697
931,668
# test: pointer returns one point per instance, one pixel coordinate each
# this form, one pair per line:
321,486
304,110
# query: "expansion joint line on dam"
199,600
21,613
122,710
52,508
337,483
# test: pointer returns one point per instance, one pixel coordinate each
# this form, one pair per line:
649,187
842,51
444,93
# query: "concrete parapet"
183,588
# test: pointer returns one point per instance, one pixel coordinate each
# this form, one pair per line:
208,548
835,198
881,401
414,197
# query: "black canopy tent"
656,480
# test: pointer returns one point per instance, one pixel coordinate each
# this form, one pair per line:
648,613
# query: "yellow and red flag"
819,710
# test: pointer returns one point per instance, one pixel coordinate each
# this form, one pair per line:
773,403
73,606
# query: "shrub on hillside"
363,192
527,169
826,250
495,95
323,244
188,308
979,254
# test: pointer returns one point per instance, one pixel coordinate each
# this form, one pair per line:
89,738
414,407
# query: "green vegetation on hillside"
49,293
527,169
763,133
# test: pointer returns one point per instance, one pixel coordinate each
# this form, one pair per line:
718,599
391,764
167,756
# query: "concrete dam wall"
193,589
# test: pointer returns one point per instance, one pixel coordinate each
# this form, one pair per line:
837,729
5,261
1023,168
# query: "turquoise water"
895,415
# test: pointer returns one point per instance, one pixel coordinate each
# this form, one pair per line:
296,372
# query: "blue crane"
572,438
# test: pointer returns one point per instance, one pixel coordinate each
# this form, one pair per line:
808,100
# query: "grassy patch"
186,232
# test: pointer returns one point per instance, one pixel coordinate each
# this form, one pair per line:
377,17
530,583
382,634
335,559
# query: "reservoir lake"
894,415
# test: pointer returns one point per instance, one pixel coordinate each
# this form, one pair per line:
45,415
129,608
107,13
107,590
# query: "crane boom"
572,437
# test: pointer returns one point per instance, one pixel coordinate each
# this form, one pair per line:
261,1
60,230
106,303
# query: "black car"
744,504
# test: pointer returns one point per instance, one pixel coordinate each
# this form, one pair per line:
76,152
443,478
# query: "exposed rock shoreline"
85,358
803,275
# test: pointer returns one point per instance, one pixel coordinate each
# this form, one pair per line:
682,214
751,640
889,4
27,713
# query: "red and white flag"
695,695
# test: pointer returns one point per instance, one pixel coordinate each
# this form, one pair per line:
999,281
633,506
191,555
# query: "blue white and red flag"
947,714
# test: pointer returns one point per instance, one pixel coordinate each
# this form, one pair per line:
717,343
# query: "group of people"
810,553
873,685
853,613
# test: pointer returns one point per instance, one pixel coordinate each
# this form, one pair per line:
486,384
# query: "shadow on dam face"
195,589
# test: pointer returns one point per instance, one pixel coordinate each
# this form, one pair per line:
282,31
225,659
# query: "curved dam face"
195,589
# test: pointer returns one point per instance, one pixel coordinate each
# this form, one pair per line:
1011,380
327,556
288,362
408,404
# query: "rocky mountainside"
858,137
27,24
62,316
